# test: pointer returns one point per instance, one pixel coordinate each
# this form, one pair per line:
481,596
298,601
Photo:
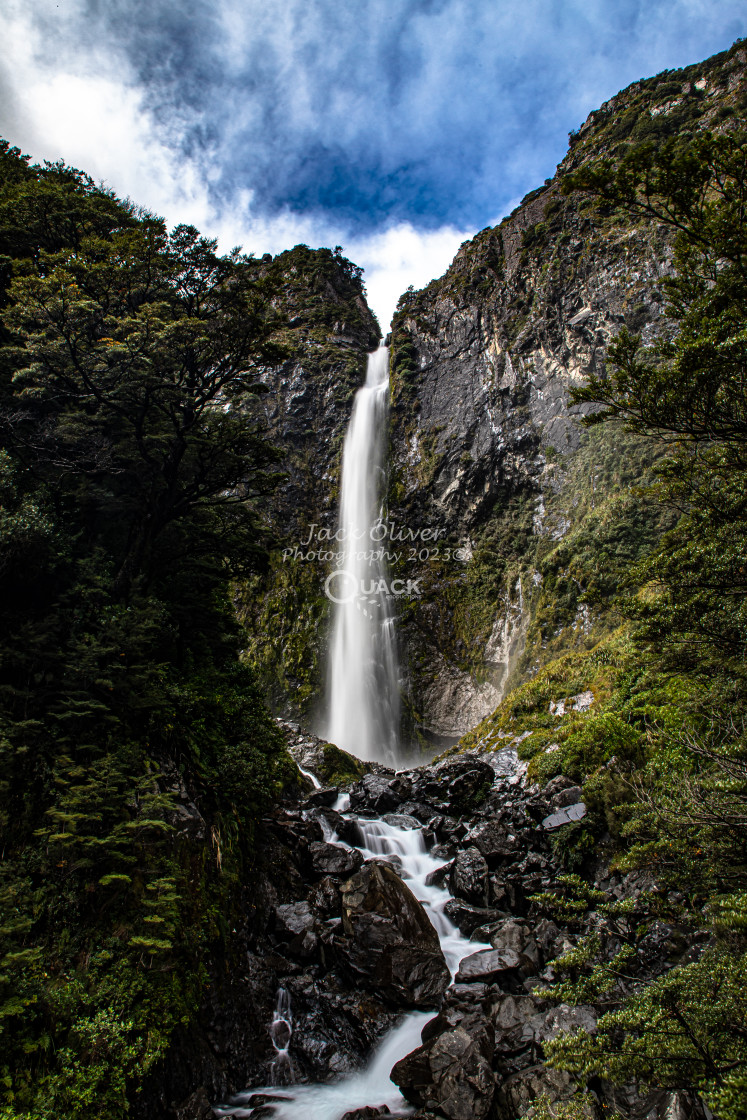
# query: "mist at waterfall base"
362,714
370,1086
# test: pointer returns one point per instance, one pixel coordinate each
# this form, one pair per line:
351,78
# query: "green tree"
684,1029
132,457
689,388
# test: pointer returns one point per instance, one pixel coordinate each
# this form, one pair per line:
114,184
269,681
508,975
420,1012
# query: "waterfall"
362,685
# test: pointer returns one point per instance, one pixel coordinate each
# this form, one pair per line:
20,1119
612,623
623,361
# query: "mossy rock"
338,767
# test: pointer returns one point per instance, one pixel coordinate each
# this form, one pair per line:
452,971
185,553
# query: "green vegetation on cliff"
651,721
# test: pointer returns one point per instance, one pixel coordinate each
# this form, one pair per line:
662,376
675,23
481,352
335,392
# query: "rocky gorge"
514,664
336,929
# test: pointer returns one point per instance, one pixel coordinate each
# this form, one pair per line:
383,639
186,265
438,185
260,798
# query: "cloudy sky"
395,128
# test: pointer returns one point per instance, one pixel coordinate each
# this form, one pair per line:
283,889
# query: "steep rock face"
484,445
326,329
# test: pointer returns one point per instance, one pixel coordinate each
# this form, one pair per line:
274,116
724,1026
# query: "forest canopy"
132,453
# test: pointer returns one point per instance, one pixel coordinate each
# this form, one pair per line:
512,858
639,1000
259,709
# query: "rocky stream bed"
445,984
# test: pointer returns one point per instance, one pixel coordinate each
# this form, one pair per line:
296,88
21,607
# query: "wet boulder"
438,877
424,813
467,918
326,796
367,1113
488,965
469,877
451,1072
389,941
294,918
447,828
517,935
333,859
325,897
374,793
402,820
493,841
464,782
298,927
510,1015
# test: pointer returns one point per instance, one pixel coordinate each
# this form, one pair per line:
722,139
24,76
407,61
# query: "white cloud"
410,111
401,256
99,123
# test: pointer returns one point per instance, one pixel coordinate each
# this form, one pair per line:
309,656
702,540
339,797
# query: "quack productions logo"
341,587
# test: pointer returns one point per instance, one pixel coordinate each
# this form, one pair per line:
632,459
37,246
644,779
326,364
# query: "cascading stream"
372,1086
363,684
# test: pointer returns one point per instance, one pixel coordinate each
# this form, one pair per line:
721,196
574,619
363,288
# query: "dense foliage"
663,753
135,751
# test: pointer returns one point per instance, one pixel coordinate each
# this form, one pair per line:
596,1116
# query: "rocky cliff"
327,330
484,445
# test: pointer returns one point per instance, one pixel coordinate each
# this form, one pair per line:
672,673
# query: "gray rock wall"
484,359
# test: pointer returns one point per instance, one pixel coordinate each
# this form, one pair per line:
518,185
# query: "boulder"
567,797
469,877
401,820
511,1013
424,813
326,796
367,1113
374,792
564,1019
329,820
348,830
487,965
555,786
438,877
447,828
451,1072
333,859
516,935
298,927
464,782
325,897
519,1090
389,941
564,816
492,840
294,918
467,917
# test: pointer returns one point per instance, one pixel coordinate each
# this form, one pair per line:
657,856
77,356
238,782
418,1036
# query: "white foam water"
312,777
372,1086
363,676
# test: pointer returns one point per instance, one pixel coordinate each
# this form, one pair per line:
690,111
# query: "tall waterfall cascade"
363,685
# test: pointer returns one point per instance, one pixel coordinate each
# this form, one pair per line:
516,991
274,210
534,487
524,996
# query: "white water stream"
362,718
372,1085
362,684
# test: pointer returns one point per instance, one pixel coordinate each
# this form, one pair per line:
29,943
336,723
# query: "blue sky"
396,128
